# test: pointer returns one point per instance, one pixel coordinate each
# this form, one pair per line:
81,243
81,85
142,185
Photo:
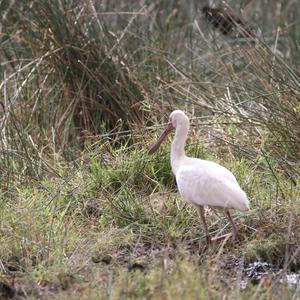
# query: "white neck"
177,148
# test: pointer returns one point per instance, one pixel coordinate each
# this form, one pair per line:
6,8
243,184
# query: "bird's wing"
211,185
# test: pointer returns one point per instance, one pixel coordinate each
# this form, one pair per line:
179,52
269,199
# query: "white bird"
201,182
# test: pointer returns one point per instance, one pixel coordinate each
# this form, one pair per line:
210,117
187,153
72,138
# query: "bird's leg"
234,228
201,213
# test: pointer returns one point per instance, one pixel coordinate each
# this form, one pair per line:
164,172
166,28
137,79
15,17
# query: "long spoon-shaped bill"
165,133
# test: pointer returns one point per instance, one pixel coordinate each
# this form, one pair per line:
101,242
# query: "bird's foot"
222,237
210,241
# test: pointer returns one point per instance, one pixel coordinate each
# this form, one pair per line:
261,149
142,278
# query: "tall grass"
76,70
77,79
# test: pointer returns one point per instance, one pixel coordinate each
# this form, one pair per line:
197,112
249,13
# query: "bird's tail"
238,198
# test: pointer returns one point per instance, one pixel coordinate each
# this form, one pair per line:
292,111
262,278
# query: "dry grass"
100,231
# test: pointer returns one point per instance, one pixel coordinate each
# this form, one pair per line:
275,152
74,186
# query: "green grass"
119,230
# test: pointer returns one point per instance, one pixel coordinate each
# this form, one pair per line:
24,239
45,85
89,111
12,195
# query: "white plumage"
199,181
207,183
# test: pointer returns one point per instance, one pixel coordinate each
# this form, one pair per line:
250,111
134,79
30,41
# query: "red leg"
234,228
201,213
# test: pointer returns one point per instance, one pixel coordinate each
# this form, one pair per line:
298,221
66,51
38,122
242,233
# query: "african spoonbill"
201,182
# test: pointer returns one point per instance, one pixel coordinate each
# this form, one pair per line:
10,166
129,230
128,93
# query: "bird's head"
177,119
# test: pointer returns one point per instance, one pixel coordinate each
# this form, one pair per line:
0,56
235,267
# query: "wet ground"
256,271
243,273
